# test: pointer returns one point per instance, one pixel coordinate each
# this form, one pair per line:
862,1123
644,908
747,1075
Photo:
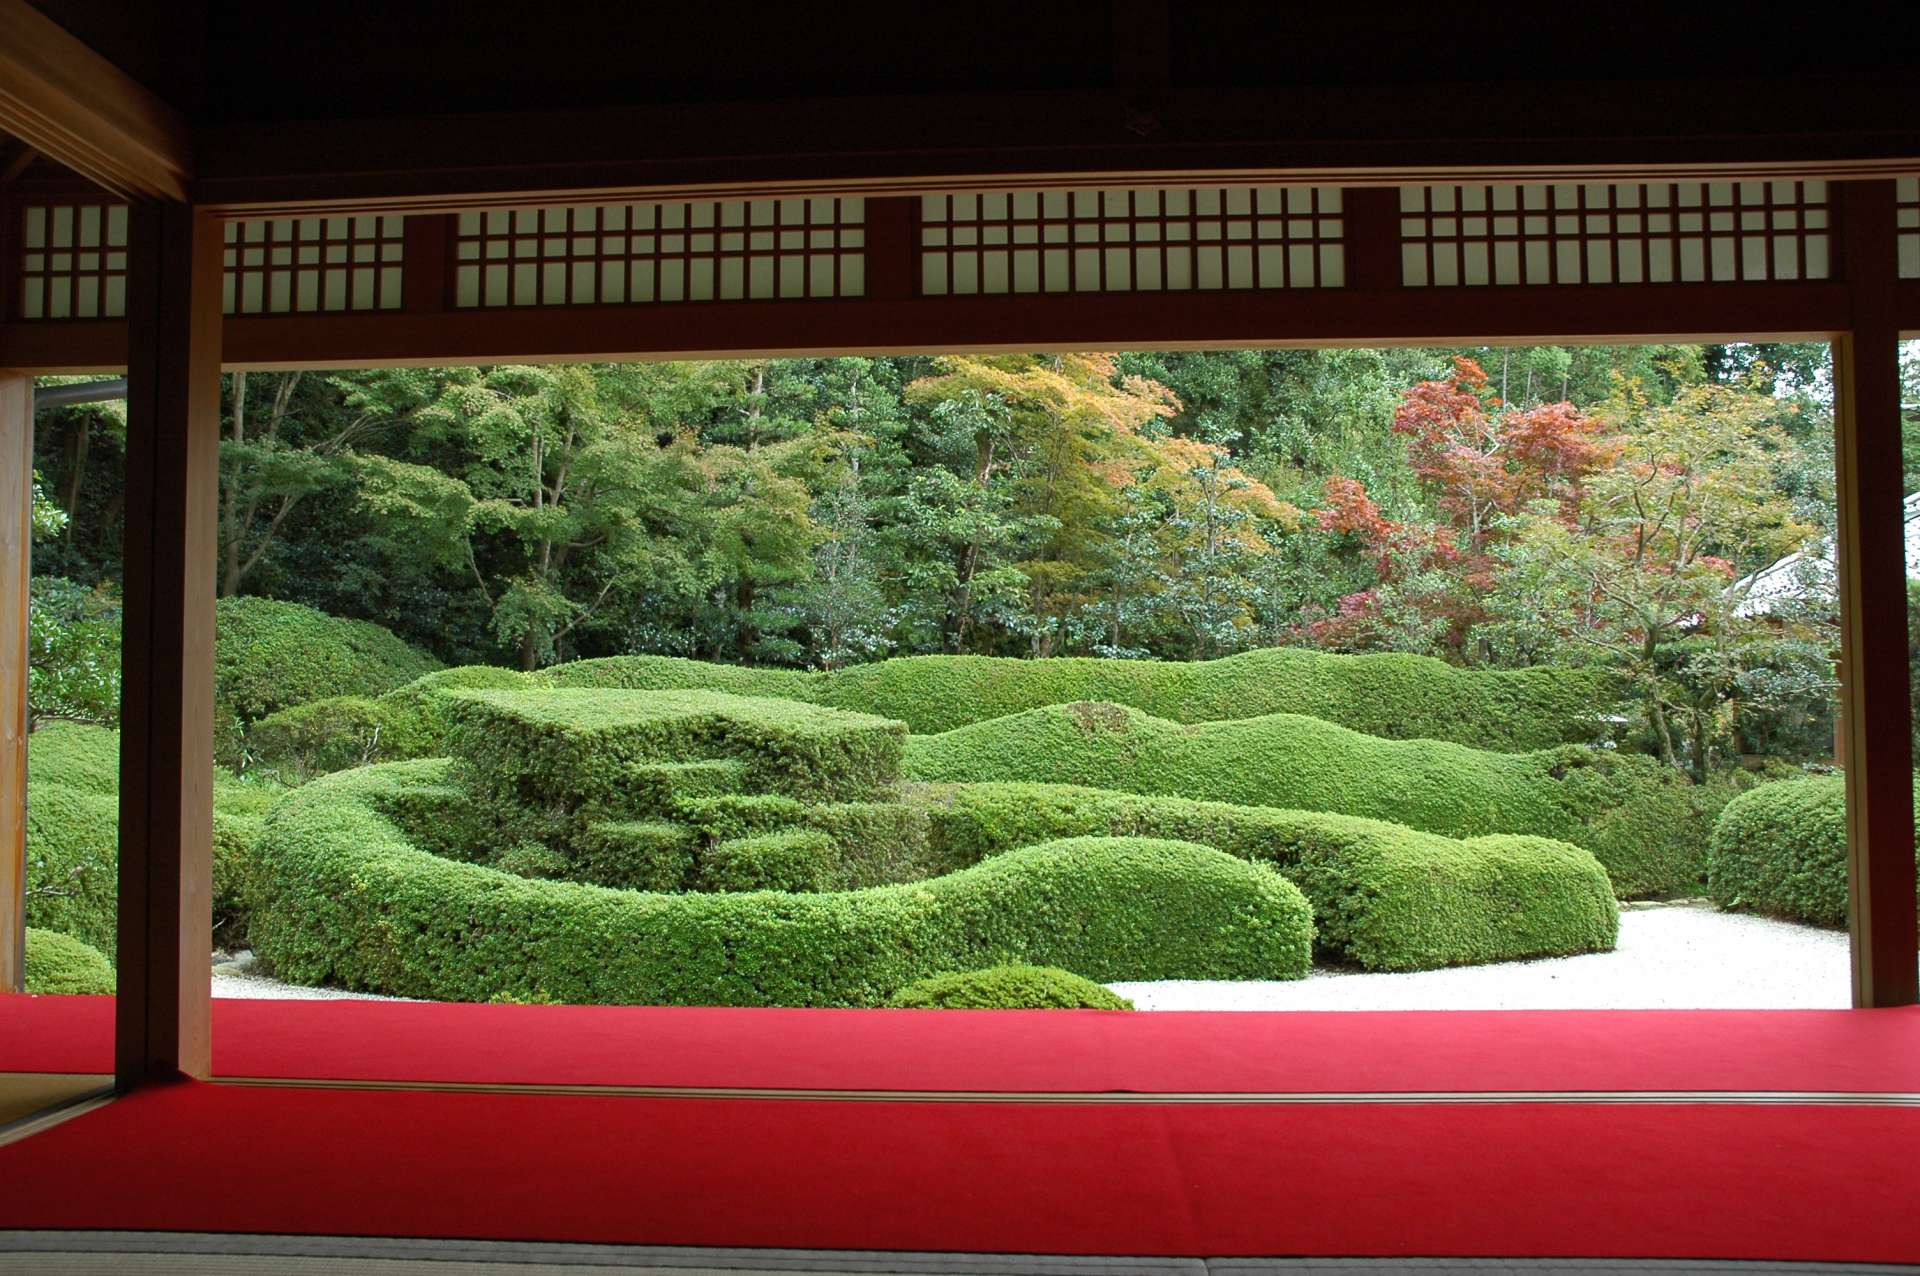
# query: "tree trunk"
230,498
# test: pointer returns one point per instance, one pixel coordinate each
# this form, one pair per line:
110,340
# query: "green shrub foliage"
1781,849
323,736
1645,823
1385,897
1008,988
1389,695
573,750
270,655
59,963
344,897
73,835
783,860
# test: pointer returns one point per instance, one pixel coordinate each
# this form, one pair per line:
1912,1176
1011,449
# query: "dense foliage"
59,963
1478,506
1385,897
1645,823
1388,695
1008,988
343,896
1781,849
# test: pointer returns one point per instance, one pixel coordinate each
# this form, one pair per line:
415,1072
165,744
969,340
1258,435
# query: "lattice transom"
1595,233
303,265
1906,194
709,250
1139,240
73,261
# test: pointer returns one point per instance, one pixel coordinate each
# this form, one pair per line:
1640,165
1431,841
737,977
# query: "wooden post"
16,544
166,731
1873,611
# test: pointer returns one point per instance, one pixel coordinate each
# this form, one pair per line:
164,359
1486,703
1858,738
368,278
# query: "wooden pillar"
16,543
1873,611
166,733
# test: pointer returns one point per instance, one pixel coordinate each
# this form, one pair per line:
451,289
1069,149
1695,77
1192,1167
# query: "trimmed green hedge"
324,736
73,835
1389,695
1008,988
269,655
1646,823
1781,849
59,963
1385,897
570,751
343,897
783,860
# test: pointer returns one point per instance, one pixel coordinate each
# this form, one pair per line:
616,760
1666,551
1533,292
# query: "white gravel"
238,976
1678,957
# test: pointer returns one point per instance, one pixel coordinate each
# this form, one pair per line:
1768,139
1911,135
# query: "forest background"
1489,507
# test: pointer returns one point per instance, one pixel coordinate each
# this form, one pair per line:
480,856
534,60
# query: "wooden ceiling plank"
76,108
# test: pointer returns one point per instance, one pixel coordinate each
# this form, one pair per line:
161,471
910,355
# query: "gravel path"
1678,957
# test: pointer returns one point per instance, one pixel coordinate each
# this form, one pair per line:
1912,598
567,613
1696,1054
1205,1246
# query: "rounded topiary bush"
1008,988
1641,820
1782,849
323,736
269,655
59,963
73,856
343,895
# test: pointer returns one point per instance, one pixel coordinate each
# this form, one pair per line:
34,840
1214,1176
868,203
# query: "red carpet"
1841,1050
1541,1180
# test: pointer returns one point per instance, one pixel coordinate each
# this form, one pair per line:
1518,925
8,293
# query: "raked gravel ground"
1689,957
1674,956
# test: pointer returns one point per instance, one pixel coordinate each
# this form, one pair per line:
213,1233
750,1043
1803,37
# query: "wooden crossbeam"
73,106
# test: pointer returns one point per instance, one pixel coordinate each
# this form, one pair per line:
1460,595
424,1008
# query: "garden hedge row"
59,963
1646,823
269,655
1385,897
341,896
1390,695
1781,849
1008,988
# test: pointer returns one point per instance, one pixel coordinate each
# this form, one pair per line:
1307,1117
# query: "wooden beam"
166,718
1340,135
16,536
73,106
1875,703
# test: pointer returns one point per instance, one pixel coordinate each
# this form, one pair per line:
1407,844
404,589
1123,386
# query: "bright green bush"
673,673
323,736
421,704
783,860
1781,849
59,963
572,750
73,856
1385,897
73,835
1395,696
1642,821
1008,988
269,655
344,898
637,855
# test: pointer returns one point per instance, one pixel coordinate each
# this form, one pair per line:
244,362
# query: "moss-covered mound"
1008,988
1385,897
59,963
1645,823
1781,849
269,655
344,895
1395,696
73,835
